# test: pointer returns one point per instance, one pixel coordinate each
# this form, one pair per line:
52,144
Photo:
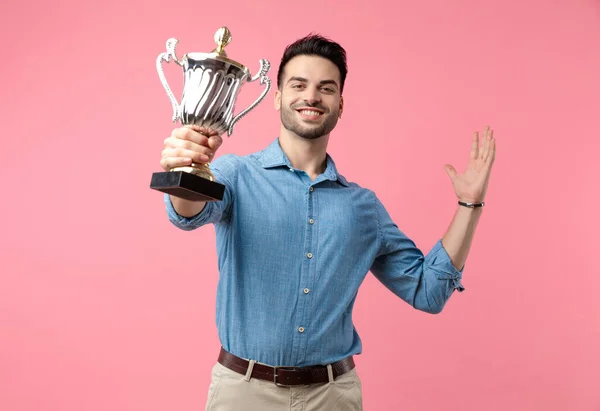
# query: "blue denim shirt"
292,254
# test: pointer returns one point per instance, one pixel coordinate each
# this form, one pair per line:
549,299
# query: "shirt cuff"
440,263
185,223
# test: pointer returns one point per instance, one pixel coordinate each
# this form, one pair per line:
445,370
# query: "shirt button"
306,291
301,329
311,221
292,170
309,255
311,189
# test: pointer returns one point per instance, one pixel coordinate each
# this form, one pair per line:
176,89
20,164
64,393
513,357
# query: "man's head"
310,83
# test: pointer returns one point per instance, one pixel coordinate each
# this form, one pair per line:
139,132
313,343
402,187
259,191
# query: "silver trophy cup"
211,86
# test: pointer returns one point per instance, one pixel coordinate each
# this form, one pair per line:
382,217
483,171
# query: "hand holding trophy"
212,83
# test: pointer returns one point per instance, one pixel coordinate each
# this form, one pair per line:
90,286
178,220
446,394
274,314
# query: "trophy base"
187,186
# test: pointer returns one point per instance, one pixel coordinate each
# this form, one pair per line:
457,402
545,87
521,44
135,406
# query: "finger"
451,171
203,155
171,162
215,141
177,143
475,146
486,144
187,133
489,145
487,167
492,155
203,130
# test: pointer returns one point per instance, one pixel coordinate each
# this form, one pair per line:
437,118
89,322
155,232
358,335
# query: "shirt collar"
273,156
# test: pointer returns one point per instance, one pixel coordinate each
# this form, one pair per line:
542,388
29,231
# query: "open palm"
471,185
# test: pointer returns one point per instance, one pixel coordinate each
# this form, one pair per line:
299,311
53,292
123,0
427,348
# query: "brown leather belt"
286,376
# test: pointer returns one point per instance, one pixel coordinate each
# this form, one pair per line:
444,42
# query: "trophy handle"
264,79
166,56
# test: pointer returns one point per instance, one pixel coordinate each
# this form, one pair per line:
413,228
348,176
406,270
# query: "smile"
310,113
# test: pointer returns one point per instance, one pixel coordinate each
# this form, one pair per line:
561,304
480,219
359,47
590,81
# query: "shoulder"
232,161
229,165
226,161
226,164
358,189
363,198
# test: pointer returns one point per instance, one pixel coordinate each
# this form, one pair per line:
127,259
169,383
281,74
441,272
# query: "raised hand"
471,186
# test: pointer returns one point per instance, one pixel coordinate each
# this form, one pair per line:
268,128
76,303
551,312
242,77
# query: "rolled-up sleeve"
425,281
214,212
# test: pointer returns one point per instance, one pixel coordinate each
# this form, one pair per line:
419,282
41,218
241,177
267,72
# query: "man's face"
309,99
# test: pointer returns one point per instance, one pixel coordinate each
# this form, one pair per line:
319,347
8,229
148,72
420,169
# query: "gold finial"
222,38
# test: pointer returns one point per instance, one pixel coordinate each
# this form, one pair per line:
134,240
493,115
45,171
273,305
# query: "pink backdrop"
106,306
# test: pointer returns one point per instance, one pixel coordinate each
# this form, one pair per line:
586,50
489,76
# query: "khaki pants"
231,391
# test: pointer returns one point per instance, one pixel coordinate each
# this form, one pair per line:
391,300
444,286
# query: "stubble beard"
308,132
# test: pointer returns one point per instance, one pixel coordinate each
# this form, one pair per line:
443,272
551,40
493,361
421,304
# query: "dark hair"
315,45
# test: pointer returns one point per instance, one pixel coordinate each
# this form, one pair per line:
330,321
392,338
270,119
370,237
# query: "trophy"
212,82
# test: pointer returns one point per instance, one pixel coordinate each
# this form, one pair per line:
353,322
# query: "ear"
277,100
341,106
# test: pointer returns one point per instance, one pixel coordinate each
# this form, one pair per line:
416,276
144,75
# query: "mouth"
310,113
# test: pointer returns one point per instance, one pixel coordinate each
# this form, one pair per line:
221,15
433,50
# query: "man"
295,240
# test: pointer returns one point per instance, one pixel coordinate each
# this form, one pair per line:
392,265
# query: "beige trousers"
230,391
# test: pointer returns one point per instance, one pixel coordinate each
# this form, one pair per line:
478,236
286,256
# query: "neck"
309,156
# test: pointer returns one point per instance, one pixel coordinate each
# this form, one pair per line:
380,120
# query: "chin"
309,134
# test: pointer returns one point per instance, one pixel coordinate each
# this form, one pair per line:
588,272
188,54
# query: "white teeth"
310,113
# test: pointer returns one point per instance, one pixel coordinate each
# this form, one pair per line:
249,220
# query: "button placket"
303,317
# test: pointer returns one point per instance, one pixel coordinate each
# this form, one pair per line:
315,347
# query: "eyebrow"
302,79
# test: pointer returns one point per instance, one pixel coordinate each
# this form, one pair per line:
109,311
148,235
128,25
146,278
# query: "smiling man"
295,241
318,113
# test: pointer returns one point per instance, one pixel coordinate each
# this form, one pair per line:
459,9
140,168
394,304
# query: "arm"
428,281
186,145
425,281
225,170
186,208
457,240
470,187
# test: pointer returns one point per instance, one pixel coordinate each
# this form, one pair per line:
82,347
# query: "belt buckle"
275,375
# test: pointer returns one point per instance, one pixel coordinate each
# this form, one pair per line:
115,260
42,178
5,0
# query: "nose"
312,96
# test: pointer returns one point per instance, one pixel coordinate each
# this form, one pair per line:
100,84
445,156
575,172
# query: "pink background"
104,305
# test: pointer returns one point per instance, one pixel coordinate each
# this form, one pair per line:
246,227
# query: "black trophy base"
187,186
